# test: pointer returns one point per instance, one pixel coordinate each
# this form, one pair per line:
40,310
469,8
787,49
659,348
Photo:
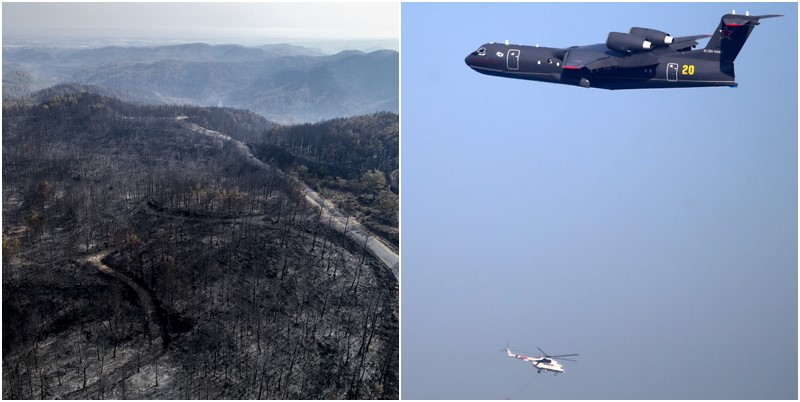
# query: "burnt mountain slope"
253,295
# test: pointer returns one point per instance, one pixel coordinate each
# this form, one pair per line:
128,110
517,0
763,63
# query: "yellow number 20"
688,69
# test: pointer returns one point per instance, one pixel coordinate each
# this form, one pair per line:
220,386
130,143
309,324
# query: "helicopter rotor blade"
569,360
545,354
574,354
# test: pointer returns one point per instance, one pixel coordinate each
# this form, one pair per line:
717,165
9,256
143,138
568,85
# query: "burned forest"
148,253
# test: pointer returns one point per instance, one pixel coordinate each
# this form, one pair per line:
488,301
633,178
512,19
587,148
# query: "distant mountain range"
283,83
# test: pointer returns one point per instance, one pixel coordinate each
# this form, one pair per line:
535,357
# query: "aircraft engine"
656,37
627,43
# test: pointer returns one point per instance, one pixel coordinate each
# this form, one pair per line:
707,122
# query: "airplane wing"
681,39
595,57
592,57
685,42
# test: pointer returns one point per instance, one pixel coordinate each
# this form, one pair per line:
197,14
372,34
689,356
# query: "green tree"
373,181
302,171
388,203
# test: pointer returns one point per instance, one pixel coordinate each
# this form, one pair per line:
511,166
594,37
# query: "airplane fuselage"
676,70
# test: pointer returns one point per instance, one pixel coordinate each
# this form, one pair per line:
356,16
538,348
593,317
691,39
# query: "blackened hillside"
353,161
347,147
142,259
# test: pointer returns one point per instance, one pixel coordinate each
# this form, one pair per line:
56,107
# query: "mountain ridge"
284,83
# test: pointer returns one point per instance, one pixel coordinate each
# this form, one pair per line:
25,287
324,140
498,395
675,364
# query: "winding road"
337,219
145,298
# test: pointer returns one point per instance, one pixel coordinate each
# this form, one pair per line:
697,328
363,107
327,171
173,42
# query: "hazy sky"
203,20
654,232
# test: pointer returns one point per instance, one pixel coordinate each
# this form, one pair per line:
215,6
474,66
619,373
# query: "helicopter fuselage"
548,365
543,363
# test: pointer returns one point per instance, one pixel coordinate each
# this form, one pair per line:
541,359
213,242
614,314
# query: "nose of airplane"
468,60
471,59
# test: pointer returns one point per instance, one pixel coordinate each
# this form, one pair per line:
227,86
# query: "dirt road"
338,220
145,298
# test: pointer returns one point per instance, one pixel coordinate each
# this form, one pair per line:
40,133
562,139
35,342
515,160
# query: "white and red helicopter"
546,362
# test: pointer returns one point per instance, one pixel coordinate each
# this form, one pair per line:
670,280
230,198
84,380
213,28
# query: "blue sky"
652,231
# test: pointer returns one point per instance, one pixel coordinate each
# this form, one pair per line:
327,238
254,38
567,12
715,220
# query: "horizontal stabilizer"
739,20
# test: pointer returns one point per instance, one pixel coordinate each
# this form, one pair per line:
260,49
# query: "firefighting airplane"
546,362
641,58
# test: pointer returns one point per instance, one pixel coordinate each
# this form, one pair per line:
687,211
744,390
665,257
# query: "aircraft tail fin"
732,32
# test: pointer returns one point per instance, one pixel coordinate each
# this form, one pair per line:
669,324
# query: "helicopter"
543,363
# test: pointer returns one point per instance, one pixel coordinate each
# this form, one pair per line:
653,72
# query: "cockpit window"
482,51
